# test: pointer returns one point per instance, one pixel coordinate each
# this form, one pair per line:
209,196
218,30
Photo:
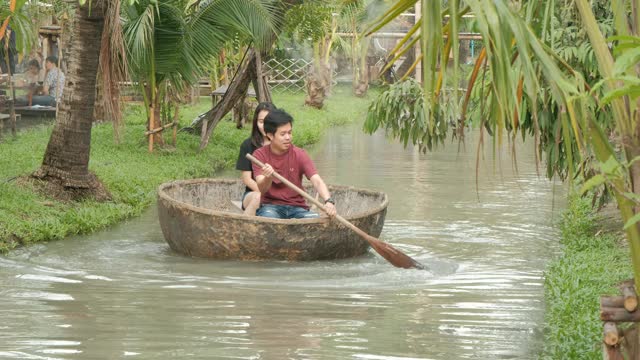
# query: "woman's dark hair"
33,62
256,136
275,119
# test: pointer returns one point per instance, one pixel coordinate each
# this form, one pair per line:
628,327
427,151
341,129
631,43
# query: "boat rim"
162,194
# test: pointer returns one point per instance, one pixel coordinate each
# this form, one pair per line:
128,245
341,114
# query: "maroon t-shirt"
291,165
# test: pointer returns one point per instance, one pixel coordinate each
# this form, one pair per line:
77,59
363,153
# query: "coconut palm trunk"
318,80
67,156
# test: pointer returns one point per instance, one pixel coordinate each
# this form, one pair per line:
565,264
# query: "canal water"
122,293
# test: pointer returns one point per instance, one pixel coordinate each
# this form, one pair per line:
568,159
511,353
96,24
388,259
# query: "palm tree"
169,42
66,159
521,85
352,18
67,156
313,22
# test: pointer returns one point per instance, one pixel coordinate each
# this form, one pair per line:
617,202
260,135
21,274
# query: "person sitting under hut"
32,80
53,84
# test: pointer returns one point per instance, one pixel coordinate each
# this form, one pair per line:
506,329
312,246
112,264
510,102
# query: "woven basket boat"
198,218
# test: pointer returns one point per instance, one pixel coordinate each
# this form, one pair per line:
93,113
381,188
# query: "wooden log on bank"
619,344
630,298
612,302
612,334
628,301
611,352
618,314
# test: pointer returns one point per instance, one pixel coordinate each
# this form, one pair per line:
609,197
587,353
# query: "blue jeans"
44,100
285,212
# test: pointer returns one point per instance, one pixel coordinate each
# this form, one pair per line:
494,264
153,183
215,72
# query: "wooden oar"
396,257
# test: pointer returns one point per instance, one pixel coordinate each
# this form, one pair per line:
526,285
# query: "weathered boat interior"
219,195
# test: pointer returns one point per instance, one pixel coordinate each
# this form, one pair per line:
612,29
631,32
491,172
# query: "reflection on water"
123,293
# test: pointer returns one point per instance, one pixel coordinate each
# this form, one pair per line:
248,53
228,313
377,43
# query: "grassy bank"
130,173
594,259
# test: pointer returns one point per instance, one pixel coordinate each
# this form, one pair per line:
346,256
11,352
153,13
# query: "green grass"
130,173
590,266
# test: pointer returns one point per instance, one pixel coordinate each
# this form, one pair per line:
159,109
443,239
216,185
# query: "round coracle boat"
199,218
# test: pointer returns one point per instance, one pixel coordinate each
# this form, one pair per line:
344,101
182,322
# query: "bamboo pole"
60,53
258,84
418,50
175,124
12,90
159,129
151,128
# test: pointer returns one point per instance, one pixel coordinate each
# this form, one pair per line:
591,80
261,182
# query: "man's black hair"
52,59
34,63
275,119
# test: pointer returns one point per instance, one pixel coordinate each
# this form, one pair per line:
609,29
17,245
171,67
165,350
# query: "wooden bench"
218,94
5,121
4,117
37,110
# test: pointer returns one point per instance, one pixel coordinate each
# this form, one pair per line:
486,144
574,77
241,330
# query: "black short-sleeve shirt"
244,164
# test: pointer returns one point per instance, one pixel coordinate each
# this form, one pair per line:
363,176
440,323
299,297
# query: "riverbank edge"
594,259
131,174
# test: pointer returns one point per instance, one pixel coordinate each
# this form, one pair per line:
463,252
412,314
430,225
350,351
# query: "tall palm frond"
19,22
513,51
527,86
162,37
221,19
113,67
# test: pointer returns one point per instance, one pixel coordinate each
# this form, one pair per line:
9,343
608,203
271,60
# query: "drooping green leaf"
632,221
593,182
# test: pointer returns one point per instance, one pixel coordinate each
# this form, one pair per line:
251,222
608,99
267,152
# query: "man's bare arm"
265,179
324,193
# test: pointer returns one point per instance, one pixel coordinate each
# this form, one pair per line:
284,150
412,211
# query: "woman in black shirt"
251,197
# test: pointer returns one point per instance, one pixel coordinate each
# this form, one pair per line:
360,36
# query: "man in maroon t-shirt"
278,200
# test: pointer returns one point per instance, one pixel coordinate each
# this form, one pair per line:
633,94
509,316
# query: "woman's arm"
248,180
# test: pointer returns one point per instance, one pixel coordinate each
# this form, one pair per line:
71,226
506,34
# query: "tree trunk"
67,156
318,85
236,90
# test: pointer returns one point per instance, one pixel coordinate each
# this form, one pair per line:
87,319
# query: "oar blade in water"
396,257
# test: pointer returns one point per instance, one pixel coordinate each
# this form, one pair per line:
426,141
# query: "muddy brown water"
121,293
